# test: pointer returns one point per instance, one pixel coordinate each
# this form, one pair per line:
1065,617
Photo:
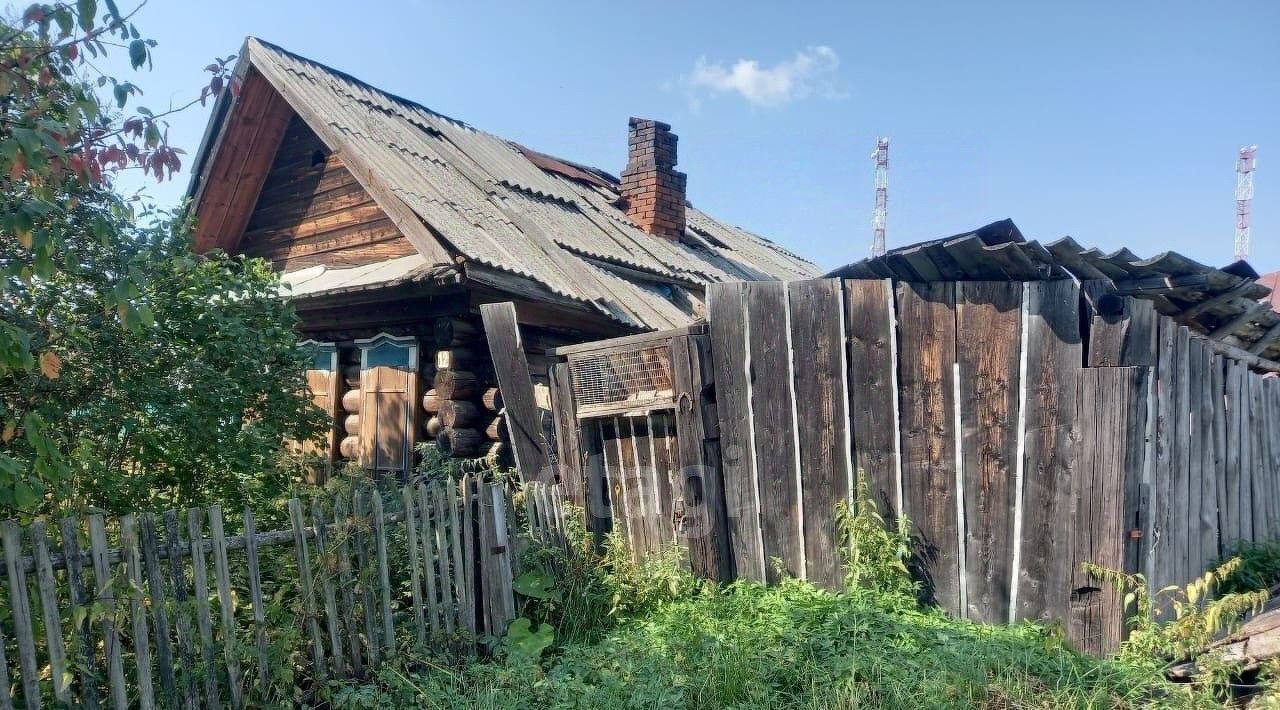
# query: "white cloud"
808,73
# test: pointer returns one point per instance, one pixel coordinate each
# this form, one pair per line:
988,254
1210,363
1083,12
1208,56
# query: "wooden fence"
1023,428
172,610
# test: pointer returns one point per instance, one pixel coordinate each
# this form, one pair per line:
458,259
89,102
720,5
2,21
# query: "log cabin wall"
313,211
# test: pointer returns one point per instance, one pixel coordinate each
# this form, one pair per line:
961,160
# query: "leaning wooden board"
524,423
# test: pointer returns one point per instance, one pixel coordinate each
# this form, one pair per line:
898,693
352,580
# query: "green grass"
789,646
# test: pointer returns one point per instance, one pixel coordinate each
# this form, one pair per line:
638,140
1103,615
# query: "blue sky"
1114,122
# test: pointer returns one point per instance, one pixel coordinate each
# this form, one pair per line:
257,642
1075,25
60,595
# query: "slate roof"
503,206
1229,304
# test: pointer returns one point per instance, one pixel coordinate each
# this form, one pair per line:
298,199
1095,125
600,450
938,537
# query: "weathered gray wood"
137,610
48,590
1273,437
988,347
1180,481
181,617
568,458
360,539
20,615
662,430
1218,386
226,606
86,667
926,357
1109,402
1203,443
512,369
1232,526
1123,328
1053,356
702,493
1260,456
342,549
772,407
415,565
873,408
1196,375
599,511
471,555
490,614
160,616
384,574
200,593
459,561
632,486
6,698
818,351
105,595
328,569
1163,537
614,477
429,558
255,600
726,312
645,486
442,551
306,587
501,554
1247,464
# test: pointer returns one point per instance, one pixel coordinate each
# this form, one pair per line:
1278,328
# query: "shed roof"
1229,304
501,207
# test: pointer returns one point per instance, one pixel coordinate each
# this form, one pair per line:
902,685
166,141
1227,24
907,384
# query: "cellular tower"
881,157
1245,164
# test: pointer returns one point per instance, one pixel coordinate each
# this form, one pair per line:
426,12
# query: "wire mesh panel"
621,380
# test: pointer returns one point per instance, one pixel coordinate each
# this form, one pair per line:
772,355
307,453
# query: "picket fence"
126,612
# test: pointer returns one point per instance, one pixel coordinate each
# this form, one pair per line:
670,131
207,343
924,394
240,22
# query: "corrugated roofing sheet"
495,206
1221,303
317,280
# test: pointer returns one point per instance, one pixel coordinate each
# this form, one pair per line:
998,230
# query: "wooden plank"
200,593
662,430
137,610
988,348
360,538
465,622
1053,349
926,358
774,429
337,657
645,486
1180,480
817,347
1260,457
475,601
415,565
20,614
1202,437
613,480
226,603
512,369
442,553
702,491
255,600
568,458
1232,525
86,665
306,590
429,558
1248,532
1122,328
160,616
726,312
104,593
1162,548
1109,402
6,698
1272,434
47,587
346,581
1196,375
384,575
501,554
1218,390
182,618
634,500
873,405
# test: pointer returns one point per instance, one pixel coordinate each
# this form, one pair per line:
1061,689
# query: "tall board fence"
1022,427
173,610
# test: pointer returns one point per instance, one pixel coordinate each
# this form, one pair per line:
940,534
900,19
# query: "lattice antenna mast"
882,196
1244,198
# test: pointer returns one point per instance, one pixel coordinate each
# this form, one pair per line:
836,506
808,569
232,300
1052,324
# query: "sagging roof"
1229,304
506,209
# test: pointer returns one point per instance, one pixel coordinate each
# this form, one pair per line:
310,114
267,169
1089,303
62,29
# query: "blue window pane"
387,355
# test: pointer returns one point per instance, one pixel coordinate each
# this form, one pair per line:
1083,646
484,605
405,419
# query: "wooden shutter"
388,407
322,382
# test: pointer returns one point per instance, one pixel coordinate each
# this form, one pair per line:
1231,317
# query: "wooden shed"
1027,407
392,224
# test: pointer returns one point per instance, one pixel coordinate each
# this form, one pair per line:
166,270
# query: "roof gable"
455,191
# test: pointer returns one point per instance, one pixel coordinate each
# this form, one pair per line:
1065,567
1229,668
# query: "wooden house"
392,224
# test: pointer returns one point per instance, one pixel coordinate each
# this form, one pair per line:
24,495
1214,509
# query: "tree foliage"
130,368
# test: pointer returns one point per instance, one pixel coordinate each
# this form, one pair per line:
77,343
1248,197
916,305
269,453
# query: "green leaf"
137,53
88,11
524,642
24,496
535,584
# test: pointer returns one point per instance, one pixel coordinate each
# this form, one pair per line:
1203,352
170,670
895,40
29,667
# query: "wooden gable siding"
313,211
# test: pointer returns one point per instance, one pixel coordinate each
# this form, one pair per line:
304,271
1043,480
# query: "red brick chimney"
652,189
